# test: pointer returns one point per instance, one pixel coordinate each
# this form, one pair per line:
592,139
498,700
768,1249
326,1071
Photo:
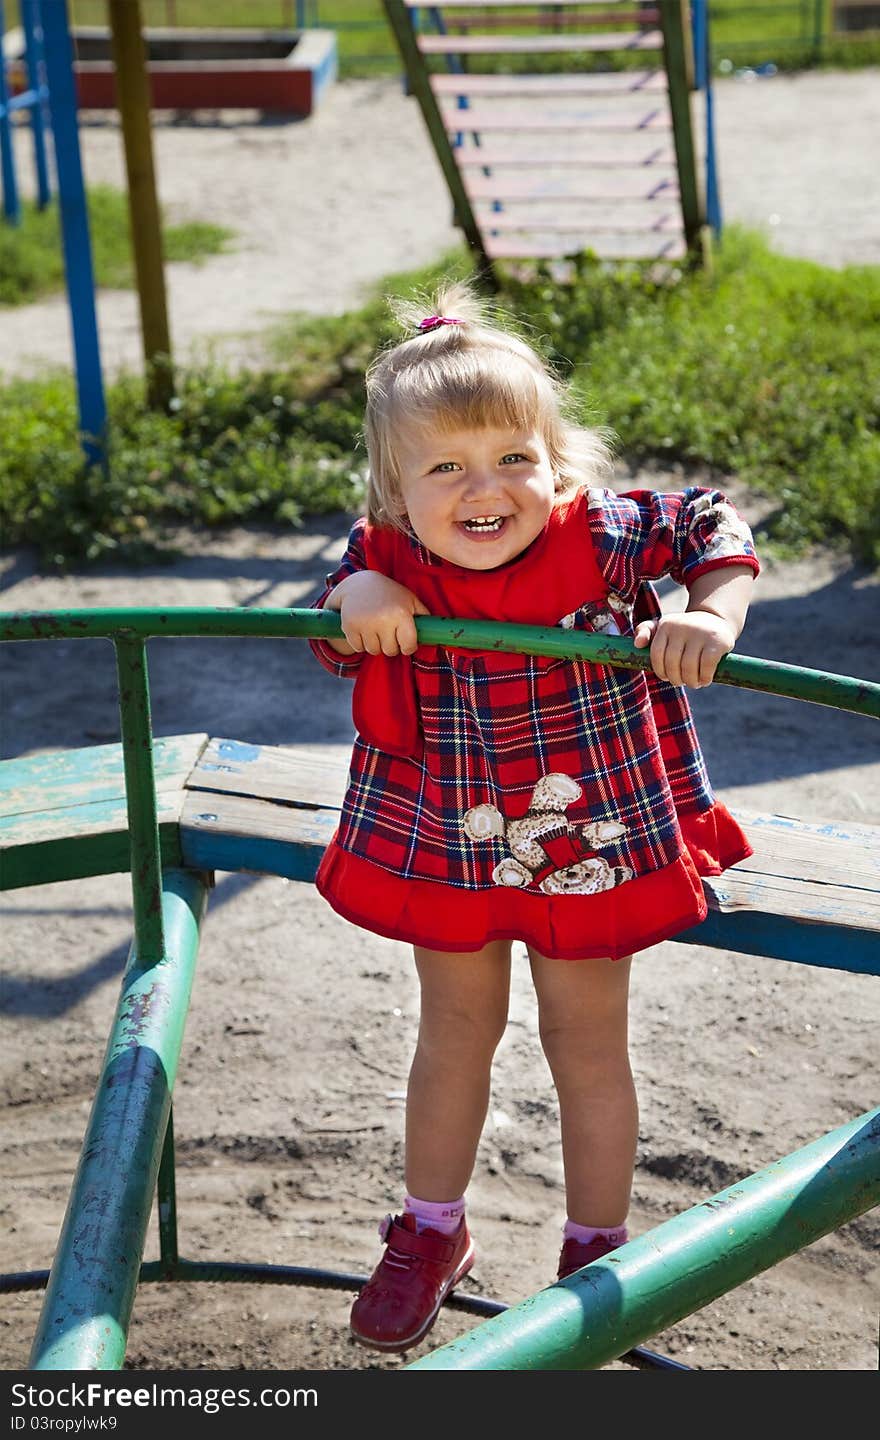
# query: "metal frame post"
33,47
11,202
133,96
58,52
140,792
596,1315
84,1321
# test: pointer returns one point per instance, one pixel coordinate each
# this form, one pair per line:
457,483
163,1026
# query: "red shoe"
400,1301
575,1254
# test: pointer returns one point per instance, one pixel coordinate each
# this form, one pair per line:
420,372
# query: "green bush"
767,369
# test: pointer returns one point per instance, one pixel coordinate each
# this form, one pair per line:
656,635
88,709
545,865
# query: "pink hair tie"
433,322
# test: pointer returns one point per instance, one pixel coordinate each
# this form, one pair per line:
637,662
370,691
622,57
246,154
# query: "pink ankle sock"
616,1234
440,1215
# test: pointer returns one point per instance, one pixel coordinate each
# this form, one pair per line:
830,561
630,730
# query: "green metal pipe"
609,1307
140,793
166,1200
84,1321
821,687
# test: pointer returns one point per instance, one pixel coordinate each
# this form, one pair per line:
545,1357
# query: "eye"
514,458
446,467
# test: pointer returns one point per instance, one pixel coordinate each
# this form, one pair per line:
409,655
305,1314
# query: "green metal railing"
127,1155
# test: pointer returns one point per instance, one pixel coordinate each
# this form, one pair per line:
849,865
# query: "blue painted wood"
202,850
76,240
783,937
273,811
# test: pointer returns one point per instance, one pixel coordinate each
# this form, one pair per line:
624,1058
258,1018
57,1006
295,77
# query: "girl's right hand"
377,614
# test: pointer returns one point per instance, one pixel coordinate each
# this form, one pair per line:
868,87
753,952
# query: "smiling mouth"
484,524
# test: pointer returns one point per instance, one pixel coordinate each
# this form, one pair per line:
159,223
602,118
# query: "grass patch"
768,369
32,263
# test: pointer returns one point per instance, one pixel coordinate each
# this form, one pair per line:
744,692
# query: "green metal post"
84,1321
417,71
678,54
133,95
140,792
609,1307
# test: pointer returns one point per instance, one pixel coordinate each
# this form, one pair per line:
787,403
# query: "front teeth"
485,523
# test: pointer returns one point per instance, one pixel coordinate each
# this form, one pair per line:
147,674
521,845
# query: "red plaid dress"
514,796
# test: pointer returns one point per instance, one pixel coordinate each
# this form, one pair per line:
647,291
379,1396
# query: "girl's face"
477,498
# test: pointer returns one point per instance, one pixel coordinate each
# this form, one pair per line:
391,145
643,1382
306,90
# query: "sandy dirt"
289,1098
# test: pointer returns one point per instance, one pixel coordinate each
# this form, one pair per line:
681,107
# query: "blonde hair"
467,376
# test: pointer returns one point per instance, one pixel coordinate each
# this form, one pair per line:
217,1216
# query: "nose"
481,484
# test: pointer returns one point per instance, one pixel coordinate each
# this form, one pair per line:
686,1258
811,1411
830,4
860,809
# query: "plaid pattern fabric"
619,748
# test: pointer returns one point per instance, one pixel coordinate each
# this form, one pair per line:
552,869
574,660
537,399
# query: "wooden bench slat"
469,156
95,771
530,121
524,189
539,44
541,24
508,5
810,892
551,86
296,776
669,226
820,902
81,819
509,248
824,854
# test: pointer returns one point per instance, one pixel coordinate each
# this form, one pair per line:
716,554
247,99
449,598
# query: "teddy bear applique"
547,850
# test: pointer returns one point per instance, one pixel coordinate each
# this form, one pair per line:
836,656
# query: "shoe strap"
429,1245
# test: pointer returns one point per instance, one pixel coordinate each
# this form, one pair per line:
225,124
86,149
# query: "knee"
454,1031
583,1058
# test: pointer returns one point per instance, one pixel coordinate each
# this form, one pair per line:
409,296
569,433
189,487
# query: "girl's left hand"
686,649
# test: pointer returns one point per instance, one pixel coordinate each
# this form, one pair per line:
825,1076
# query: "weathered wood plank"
527,248
809,893
539,44
819,902
527,120
454,5
63,778
552,86
294,775
84,819
240,832
471,155
666,224
528,189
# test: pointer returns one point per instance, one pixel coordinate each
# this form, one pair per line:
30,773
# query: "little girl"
498,797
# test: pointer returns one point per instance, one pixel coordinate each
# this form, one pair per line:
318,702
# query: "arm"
377,615
686,649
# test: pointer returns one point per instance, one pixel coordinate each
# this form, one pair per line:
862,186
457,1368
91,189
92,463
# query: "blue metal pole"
58,51
703,67
11,202
698,24
33,45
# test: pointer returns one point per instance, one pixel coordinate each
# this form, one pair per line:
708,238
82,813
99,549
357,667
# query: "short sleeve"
646,534
354,559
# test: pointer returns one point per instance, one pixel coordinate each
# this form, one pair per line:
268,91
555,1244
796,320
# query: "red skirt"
614,923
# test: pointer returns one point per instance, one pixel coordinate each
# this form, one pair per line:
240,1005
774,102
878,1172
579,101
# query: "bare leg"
582,1012
463,1016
